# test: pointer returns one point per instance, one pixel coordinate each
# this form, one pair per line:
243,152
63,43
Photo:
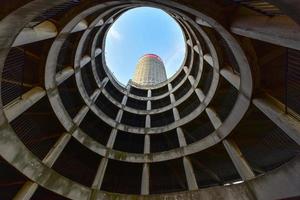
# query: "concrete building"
150,70
225,126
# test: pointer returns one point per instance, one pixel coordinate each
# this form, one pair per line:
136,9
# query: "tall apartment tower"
150,70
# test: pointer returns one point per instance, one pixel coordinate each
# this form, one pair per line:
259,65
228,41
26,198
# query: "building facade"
150,70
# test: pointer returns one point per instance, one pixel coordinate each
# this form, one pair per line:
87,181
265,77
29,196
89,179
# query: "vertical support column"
191,79
170,87
112,138
27,191
100,174
172,97
186,69
147,144
181,137
80,116
190,175
200,94
149,94
148,121
238,160
148,105
212,115
145,180
176,114
119,116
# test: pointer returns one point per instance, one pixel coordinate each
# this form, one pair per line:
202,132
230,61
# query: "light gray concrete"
42,31
190,175
181,137
145,180
279,30
100,174
275,110
238,160
27,191
64,75
20,105
231,77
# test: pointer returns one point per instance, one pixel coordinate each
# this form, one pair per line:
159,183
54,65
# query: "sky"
141,31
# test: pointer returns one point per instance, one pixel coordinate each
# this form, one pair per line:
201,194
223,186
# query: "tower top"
150,70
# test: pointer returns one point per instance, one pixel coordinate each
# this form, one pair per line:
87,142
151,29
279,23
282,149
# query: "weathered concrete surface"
279,30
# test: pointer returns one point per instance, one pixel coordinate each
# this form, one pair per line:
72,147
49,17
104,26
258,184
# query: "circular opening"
139,32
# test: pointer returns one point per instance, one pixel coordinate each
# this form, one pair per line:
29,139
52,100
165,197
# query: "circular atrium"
224,126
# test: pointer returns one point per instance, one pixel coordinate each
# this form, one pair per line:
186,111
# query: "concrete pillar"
81,114
200,94
100,23
189,42
27,191
43,31
145,180
81,26
190,175
181,137
100,174
54,153
119,116
104,82
64,75
172,97
209,59
213,116
275,110
170,87
98,51
186,69
124,100
148,105
148,121
147,144
201,22
176,114
232,78
20,105
84,61
278,30
95,95
112,139
149,93
196,48
238,160
191,79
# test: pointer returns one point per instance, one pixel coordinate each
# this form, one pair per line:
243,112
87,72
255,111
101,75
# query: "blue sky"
141,31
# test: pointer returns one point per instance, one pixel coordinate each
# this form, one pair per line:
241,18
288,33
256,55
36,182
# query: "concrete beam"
232,78
95,95
208,58
54,153
43,31
112,139
200,94
27,191
213,116
148,105
84,61
238,160
202,22
190,174
181,137
119,116
100,23
98,51
275,111
81,114
148,121
100,174
20,105
170,87
172,97
147,144
191,79
81,26
278,30
176,114
186,69
145,180
64,75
